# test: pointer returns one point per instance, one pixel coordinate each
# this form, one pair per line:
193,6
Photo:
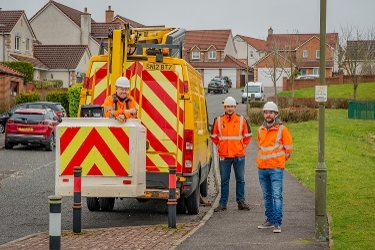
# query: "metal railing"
361,110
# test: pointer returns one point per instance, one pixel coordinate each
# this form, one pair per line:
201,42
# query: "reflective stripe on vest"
230,138
276,146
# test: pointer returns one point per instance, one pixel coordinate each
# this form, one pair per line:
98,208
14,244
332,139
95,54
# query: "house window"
27,44
13,88
212,55
316,71
317,54
251,54
305,54
17,43
303,72
195,55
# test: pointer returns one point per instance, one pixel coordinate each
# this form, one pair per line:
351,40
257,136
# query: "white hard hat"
230,101
271,106
122,82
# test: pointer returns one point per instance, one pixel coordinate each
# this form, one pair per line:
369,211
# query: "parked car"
253,88
55,106
5,116
307,76
32,127
217,85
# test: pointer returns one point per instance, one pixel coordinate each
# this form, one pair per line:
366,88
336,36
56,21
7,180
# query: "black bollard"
172,201
54,222
77,204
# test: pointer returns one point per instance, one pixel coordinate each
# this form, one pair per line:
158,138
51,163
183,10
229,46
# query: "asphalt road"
27,179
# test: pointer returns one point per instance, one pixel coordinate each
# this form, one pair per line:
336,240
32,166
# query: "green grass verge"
350,161
365,91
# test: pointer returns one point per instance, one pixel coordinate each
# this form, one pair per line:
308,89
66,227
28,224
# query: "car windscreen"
30,118
60,107
215,80
252,89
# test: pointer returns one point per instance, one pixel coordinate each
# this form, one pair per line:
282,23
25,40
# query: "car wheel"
204,188
193,201
181,205
2,128
51,143
8,145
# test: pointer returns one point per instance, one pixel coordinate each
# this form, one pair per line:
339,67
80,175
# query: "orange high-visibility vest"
111,111
274,146
232,134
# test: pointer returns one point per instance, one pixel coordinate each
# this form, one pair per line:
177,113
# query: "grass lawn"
350,162
365,91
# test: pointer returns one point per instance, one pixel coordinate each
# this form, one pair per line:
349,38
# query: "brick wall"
5,81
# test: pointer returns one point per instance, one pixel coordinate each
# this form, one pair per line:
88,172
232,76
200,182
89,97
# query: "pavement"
222,230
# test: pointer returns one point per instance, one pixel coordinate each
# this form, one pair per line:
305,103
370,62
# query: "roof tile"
257,44
296,40
35,62
229,62
59,56
6,70
8,19
203,39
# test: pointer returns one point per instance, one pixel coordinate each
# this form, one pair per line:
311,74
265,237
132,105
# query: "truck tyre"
93,204
142,200
192,202
181,205
107,204
204,188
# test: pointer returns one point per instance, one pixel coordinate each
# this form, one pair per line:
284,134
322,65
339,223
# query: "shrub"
28,97
331,103
74,93
285,115
61,97
48,84
6,105
25,68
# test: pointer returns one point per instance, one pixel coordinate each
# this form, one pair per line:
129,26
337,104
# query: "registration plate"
159,66
25,129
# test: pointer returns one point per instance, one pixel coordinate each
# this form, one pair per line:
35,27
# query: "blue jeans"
239,172
271,182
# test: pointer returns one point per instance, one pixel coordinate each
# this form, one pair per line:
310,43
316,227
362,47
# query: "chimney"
270,31
85,27
109,15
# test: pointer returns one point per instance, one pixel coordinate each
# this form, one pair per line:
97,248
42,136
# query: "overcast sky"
245,17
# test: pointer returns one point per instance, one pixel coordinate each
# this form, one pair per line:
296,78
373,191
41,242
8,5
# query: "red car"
32,127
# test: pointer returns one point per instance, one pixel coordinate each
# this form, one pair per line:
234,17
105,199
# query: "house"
249,49
11,84
358,57
65,62
213,53
302,53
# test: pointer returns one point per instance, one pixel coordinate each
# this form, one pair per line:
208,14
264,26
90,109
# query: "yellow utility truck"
171,129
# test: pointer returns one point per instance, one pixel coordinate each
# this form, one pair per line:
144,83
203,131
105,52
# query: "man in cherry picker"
120,105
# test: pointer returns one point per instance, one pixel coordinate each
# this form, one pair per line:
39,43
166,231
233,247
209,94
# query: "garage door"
264,77
231,73
209,74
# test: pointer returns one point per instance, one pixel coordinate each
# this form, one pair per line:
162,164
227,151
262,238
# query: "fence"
361,110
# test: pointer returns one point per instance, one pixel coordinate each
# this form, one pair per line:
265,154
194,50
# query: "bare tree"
356,54
274,63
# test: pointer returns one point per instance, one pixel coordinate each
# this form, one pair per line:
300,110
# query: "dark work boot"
220,208
243,206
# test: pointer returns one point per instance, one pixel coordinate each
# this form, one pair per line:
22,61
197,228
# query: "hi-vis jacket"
113,107
232,134
274,146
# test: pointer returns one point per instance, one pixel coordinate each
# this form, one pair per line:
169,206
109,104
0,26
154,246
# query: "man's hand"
132,111
122,117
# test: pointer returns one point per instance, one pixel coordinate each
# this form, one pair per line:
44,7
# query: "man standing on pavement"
120,105
231,133
274,149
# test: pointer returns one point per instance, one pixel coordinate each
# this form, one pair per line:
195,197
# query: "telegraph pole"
321,169
247,78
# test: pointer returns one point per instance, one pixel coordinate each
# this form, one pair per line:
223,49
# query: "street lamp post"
246,78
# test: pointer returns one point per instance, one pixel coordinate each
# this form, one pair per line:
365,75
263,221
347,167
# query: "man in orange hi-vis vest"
120,105
231,133
274,149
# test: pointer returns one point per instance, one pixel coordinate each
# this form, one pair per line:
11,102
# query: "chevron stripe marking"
67,137
94,139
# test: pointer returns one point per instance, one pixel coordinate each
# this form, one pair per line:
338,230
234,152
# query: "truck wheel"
93,204
181,206
204,188
192,202
107,204
142,200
